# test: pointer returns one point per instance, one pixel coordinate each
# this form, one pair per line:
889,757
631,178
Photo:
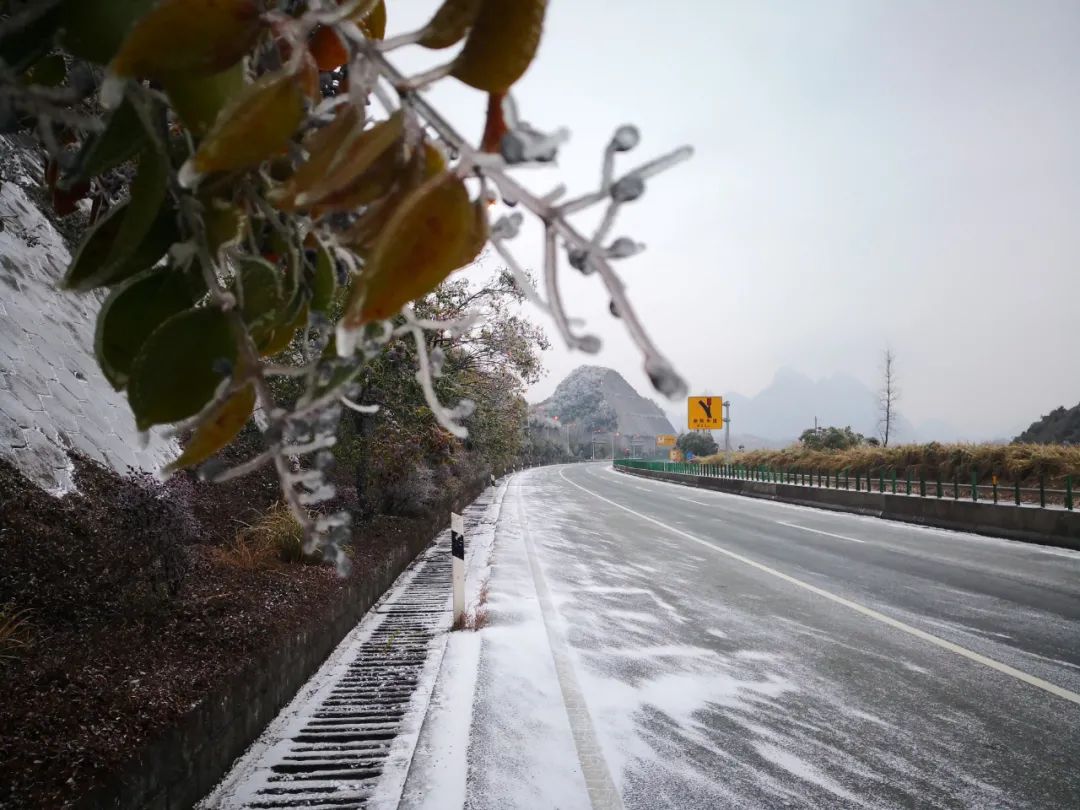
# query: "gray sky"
866,173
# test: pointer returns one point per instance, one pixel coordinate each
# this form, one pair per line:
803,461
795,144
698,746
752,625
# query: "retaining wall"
181,766
1052,527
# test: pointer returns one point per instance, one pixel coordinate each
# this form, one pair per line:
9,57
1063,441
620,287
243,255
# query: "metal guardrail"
883,480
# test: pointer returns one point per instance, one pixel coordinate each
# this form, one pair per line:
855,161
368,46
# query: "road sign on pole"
704,413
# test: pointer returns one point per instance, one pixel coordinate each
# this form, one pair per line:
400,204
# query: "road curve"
743,653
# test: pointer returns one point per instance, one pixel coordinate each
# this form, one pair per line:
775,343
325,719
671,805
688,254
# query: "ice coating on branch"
627,189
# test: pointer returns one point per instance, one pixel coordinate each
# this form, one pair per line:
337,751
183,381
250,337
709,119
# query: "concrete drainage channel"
346,740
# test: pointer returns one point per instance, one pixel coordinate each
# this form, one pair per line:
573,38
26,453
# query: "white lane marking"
971,655
691,500
603,795
819,531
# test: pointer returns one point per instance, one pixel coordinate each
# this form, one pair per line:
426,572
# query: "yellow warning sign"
665,440
704,413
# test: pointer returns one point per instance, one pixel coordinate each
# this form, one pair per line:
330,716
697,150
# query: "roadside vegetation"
1021,463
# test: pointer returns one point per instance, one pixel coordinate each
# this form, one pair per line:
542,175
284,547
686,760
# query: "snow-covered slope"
53,397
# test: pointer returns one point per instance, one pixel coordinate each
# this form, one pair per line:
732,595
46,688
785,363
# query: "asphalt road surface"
742,653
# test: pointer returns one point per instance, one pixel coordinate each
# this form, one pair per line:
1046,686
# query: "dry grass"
1023,463
15,637
476,617
274,539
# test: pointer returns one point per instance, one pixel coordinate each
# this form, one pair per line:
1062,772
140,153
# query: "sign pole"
727,430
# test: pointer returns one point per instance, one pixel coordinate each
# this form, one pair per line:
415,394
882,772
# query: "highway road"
743,653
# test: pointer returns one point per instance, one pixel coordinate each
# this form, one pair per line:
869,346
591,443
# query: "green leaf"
132,236
131,313
324,281
219,428
261,294
123,137
179,367
198,99
94,29
49,71
21,46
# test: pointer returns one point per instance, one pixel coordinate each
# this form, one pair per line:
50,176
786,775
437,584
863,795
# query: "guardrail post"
1042,491
994,481
894,480
881,481
907,486
956,485
1068,493
937,483
847,479
1016,491
858,481
922,483
974,485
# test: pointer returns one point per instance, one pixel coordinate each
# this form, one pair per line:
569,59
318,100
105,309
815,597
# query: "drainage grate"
329,748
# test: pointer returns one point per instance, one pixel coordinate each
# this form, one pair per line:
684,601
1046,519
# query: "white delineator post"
457,550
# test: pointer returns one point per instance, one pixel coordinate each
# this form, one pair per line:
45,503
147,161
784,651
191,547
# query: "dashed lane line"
819,531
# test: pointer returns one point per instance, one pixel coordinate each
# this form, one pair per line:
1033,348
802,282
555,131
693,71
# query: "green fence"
886,480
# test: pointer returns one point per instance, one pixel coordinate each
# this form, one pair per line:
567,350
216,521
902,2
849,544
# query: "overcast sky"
866,174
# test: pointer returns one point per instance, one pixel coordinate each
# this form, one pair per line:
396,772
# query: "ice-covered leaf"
257,125
217,428
501,44
188,37
450,23
179,367
133,310
423,242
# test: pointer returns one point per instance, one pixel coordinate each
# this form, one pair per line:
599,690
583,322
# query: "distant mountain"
595,398
1060,426
788,405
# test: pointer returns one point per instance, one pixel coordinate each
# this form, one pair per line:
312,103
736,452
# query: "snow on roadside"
497,734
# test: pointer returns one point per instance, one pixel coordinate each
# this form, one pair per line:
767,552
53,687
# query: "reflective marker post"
457,550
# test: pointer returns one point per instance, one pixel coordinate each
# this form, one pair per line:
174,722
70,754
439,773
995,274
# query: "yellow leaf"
423,166
450,23
423,242
373,24
339,166
501,44
219,428
256,126
188,37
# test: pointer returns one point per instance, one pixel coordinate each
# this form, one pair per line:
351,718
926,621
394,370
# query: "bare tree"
888,395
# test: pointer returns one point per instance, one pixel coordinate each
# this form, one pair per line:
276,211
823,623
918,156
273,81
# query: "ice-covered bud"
579,260
624,247
627,189
613,309
525,143
625,138
507,227
590,344
664,379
